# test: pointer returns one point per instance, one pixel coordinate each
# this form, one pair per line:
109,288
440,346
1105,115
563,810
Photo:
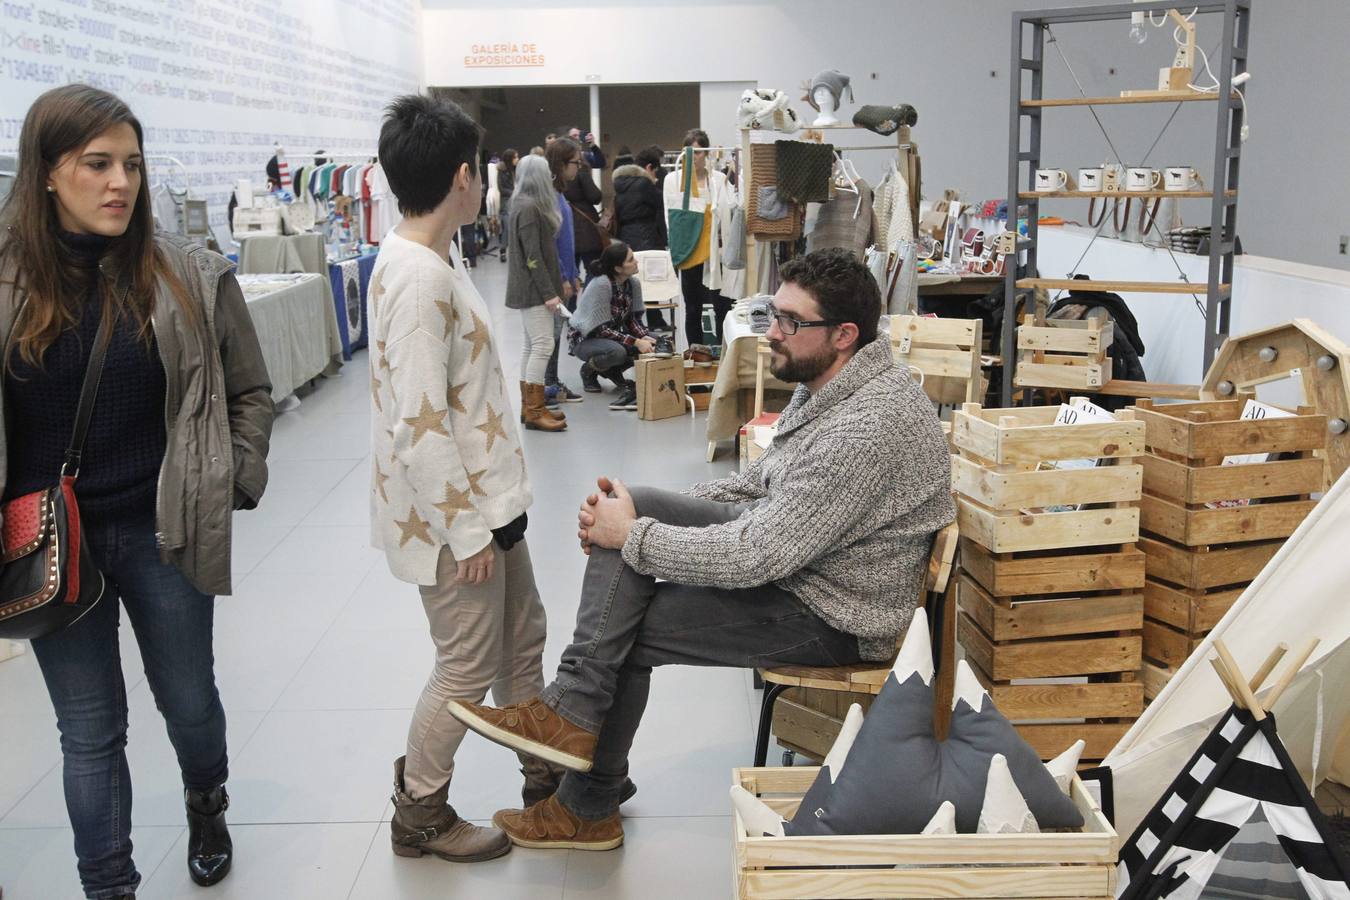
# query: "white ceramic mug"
1181,178
1090,179
1141,179
1049,180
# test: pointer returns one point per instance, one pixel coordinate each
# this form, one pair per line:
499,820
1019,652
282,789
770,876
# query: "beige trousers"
488,635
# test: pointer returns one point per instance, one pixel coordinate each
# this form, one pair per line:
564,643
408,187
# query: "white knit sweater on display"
447,465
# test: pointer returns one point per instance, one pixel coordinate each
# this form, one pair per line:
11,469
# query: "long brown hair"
559,153
60,122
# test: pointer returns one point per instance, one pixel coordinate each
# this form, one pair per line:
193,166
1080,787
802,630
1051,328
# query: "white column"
595,124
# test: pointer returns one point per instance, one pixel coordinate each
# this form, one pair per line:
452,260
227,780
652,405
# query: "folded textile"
885,119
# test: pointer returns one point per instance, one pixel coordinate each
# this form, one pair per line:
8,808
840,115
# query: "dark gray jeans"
628,623
604,354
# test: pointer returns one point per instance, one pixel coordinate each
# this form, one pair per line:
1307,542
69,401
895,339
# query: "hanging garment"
804,170
900,227
845,222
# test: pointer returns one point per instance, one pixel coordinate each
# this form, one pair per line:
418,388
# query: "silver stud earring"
50,189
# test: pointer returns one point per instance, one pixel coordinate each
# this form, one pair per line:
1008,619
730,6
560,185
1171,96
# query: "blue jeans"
82,667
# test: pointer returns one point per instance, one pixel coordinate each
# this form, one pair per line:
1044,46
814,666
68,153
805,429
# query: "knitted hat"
885,120
833,79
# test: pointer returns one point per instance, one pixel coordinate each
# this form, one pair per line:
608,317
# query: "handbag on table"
48,578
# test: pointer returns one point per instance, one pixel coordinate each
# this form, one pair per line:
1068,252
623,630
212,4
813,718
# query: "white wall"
939,56
215,83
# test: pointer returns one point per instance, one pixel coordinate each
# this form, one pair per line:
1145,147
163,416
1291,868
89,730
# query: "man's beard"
801,368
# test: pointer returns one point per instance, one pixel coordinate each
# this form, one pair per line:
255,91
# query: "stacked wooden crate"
1050,578
1201,549
1069,354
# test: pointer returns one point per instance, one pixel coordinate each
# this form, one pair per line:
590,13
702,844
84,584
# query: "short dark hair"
423,142
696,137
650,156
842,287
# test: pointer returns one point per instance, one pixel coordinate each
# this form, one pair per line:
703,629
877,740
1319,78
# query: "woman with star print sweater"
448,488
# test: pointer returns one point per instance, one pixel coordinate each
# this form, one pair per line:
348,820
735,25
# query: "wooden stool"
868,678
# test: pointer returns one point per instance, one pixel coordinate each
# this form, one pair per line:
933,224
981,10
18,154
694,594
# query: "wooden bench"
868,678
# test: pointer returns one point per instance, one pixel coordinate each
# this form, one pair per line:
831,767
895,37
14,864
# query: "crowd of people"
722,574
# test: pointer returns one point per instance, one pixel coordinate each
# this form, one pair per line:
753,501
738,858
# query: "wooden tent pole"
1290,673
1268,666
1227,681
1239,681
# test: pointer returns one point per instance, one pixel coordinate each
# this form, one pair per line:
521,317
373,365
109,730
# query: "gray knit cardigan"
852,490
593,308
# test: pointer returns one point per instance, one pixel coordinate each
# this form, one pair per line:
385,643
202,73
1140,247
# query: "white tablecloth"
296,327
733,395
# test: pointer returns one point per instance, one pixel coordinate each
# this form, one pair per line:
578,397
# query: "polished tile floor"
321,655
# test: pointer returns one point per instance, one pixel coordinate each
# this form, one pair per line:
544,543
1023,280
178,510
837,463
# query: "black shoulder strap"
92,376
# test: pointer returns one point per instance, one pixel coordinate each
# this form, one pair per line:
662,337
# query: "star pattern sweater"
447,465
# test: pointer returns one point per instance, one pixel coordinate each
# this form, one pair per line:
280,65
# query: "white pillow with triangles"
888,773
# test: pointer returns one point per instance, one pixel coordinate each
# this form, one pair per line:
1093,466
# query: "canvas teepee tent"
1238,821
1300,594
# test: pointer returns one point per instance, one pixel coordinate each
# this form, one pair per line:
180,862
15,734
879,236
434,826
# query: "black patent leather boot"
210,850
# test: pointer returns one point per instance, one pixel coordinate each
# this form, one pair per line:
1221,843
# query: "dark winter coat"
583,193
639,210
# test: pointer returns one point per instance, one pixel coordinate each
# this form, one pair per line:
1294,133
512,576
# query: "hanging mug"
1050,180
1140,179
1090,179
1182,178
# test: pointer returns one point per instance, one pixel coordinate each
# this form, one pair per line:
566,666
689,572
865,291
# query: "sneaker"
531,727
551,398
627,399
665,348
566,395
548,825
590,379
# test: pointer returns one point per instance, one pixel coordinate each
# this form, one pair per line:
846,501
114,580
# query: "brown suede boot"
551,413
430,825
548,825
531,727
534,413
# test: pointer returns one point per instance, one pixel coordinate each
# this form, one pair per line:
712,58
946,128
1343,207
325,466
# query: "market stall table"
296,328
732,403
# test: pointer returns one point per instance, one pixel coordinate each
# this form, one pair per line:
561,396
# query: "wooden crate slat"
1012,576
1049,658
1166,645
1005,620
1154,678
1056,338
1214,428
1193,527
1051,487
1205,567
1029,435
1066,373
1204,484
1069,701
1046,531
1050,740
929,882
1194,612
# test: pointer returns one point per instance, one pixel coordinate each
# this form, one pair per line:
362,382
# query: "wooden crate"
1199,558
1065,354
1004,498
1079,863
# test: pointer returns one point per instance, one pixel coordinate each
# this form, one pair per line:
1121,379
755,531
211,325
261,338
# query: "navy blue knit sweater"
126,442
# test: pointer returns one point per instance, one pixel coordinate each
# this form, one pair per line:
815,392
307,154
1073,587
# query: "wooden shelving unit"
1030,35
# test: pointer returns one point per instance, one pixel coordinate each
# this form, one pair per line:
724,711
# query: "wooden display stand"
1050,578
1067,354
1069,863
946,351
1201,556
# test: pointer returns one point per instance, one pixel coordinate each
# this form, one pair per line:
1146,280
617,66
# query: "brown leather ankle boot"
536,416
430,825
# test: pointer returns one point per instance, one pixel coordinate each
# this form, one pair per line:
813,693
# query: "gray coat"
218,410
532,273
843,506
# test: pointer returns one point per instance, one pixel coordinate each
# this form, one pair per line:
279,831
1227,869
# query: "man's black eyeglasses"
788,325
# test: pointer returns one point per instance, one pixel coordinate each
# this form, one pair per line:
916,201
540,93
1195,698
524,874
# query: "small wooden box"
1066,354
1079,863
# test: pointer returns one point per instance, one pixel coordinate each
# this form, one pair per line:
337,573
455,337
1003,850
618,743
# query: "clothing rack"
907,164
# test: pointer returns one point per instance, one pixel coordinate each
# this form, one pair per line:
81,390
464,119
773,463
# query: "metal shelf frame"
1029,33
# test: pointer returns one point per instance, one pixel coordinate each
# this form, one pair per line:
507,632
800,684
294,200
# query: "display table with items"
269,254
296,328
350,279
733,393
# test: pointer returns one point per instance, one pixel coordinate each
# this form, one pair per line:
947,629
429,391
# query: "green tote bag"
686,226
